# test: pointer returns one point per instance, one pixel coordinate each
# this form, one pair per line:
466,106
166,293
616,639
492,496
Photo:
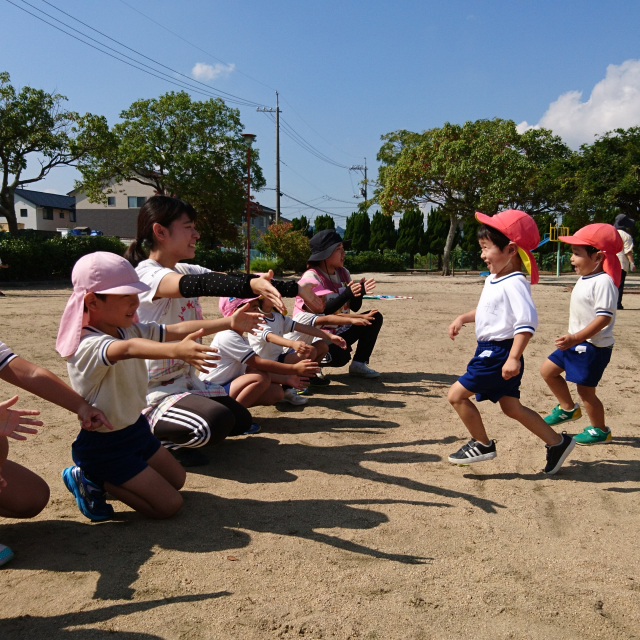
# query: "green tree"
479,166
383,233
302,224
358,230
34,122
410,233
182,147
290,247
435,237
322,222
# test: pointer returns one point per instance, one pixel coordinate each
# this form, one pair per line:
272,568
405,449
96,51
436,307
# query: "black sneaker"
474,451
558,453
189,457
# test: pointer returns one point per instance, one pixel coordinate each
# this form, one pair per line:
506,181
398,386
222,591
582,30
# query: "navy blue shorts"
282,356
116,456
584,364
484,372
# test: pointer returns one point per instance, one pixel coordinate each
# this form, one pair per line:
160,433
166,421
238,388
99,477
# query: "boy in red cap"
505,319
584,353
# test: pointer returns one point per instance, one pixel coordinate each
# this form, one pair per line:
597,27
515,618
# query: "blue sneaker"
5,554
90,498
254,428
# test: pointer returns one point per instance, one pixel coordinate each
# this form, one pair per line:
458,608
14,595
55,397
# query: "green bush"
217,260
262,265
374,261
34,257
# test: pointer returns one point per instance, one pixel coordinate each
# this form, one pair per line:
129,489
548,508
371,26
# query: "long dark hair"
161,209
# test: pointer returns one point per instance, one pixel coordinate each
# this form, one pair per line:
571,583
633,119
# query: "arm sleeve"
288,289
605,296
339,301
232,285
524,311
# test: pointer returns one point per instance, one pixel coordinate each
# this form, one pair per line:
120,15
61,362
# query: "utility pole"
359,167
277,112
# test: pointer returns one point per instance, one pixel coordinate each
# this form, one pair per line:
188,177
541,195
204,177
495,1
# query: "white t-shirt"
170,376
6,355
505,308
627,246
117,388
593,296
234,351
308,319
278,325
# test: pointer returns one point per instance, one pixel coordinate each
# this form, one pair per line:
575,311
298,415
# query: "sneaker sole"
590,444
295,404
73,489
467,461
572,419
560,462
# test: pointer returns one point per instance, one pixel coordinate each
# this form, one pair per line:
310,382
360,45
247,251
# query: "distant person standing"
3,266
624,224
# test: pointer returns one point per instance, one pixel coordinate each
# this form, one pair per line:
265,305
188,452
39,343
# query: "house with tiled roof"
40,210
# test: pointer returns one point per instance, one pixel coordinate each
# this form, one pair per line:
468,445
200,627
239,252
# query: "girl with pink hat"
505,320
105,347
184,413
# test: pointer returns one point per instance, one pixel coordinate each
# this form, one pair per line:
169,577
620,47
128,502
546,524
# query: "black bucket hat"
323,244
623,222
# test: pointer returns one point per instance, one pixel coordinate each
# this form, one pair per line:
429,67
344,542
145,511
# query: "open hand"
196,354
566,342
244,322
363,318
92,418
262,286
12,422
297,382
302,348
455,327
511,368
311,300
337,340
306,368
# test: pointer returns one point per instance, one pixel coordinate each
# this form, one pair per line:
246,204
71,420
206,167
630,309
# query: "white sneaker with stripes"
474,451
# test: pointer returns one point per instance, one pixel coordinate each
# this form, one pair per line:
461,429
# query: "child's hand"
337,340
196,354
244,322
311,300
454,328
12,421
301,348
363,318
92,418
306,368
511,368
566,342
297,382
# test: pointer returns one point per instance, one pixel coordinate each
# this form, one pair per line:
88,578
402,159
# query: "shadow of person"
207,523
626,441
389,382
262,459
29,627
283,424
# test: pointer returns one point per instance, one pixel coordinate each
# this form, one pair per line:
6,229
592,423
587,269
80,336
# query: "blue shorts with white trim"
583,364
484,372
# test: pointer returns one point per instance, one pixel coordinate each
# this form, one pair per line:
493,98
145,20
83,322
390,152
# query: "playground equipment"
552,236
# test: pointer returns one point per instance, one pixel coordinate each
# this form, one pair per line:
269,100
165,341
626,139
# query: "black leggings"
623,277
197,420
364,335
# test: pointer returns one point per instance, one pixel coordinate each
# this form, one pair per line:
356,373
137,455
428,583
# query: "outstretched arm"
318,333
240,321
304,368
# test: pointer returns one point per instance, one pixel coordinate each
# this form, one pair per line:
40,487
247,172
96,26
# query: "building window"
111,201
62,214
135,202
72,215
24,213
47,213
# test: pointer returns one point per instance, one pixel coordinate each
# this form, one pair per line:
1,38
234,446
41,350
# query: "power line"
210,92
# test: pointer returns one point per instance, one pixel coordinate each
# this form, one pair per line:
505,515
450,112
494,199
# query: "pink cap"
99,272
228,305
520,228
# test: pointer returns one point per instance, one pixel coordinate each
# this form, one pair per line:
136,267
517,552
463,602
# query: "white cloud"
614,103
203,71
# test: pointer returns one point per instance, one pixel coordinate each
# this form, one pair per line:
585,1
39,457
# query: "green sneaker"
559,415
593,435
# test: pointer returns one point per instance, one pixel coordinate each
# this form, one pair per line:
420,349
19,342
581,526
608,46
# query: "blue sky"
353,70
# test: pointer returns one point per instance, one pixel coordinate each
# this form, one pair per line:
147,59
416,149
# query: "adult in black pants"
326,267
625,225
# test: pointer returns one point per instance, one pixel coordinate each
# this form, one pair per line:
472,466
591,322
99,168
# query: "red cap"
605,238
520,228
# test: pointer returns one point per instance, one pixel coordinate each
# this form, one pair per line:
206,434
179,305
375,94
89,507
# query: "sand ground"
344,520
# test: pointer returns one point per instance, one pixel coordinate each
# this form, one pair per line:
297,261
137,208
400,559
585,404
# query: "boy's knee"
378,319
586,393
170,506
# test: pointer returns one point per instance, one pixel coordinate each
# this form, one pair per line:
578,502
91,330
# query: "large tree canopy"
33,123
479,166
189,149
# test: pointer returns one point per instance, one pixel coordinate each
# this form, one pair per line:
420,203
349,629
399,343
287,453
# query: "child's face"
114,311
253,306
336,259
583,263
496,258
266,306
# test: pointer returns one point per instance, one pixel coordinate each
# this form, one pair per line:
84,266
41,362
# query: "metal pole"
277,158
558,262
248,261
365,178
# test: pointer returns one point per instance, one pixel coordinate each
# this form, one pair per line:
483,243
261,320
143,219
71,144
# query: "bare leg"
552,375
154,491
273,393
247,389
592,404
528,418
26,493
322,348
458,397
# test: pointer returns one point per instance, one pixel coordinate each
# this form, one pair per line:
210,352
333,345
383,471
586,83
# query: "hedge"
34,257
374,261
217,260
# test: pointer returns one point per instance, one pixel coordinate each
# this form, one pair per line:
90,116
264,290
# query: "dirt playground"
343,519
